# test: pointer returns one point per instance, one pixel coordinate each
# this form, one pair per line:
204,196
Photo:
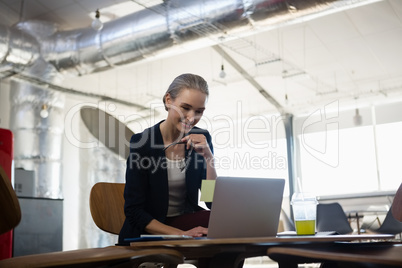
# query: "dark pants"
190,220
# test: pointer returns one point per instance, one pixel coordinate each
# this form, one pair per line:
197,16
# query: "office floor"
258,262
265,262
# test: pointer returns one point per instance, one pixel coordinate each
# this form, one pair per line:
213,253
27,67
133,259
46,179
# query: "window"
354,171
336,157
389,143
254,147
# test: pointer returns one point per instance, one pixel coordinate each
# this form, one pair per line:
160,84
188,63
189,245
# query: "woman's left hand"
199,143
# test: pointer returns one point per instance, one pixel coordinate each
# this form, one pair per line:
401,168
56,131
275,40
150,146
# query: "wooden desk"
112,256
231,252
340,254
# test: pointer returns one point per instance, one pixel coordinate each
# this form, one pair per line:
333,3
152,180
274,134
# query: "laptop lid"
245,207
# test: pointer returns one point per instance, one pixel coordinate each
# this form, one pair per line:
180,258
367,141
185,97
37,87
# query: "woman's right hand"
196,232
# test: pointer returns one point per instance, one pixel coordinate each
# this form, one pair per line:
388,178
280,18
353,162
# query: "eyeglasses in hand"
187,157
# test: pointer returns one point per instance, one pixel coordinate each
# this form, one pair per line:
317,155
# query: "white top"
177,187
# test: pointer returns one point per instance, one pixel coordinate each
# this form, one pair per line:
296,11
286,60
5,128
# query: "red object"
6,162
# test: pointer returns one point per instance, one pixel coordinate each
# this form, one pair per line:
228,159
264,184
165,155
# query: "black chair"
288,224
331,217
397,204
390,225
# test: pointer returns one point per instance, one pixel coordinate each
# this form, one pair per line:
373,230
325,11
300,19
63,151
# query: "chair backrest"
288,224
331,217
10,210
397,204
106,203
390,225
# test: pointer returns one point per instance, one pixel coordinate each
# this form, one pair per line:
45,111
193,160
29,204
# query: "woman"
166,165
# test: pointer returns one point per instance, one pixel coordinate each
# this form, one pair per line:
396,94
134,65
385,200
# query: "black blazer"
146,191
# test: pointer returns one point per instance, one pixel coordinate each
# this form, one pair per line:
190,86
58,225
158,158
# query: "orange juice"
306,227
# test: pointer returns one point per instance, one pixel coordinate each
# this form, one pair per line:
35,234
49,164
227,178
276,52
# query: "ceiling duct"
48,52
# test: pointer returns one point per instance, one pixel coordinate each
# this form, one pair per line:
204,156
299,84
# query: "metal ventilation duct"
37,137
142,34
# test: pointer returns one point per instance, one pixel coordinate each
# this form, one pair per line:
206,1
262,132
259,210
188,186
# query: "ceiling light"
96,23
222,74
295,75
357,118
44,113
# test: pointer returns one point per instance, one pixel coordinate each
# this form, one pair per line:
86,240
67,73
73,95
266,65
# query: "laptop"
245,207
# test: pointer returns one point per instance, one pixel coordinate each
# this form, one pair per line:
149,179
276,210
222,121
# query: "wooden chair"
113,256
10,210
106,202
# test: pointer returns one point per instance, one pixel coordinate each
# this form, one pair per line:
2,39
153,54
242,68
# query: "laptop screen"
245,207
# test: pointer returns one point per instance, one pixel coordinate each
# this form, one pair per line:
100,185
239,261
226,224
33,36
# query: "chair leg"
156,265
287,265
222,260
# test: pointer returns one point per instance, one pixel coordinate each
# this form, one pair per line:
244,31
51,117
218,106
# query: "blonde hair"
186,81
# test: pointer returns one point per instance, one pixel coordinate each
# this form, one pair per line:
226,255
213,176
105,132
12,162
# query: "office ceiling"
351,56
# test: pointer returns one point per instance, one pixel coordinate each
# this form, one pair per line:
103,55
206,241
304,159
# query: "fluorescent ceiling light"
295,75
117,11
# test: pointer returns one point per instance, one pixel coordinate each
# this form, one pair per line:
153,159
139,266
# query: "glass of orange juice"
304,212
